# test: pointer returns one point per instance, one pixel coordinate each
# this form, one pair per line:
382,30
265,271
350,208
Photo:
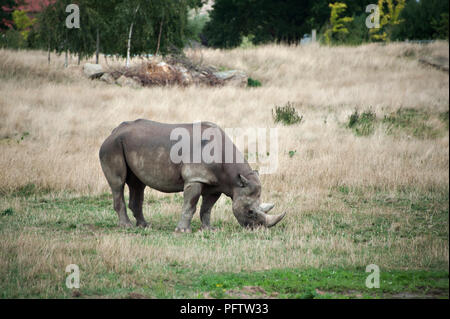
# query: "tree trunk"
98,47
66,59
129,38
79,58
129,45
48,55
159,35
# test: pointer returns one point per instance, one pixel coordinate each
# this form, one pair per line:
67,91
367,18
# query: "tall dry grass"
65,117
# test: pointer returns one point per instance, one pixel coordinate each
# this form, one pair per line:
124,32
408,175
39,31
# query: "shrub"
362,124
286,114
253,83
8,212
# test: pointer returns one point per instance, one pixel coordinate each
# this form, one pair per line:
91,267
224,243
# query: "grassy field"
363,177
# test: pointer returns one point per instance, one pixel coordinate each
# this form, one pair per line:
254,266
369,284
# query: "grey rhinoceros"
145,153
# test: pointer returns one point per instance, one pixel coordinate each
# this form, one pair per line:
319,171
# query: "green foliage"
22,22
7,212
357,32
440,26
247,42
253,83
411,122
423,20
286,114
262,21
444,117
195,25
337,23
12,39
403,122
362,124
157,25
390,11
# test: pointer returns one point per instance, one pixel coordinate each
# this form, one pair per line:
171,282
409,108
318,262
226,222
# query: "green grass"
362,124
74,225
287,114
403,122
411,122
324,283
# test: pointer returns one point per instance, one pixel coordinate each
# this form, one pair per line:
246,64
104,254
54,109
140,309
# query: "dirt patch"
251,292
438,62
135,295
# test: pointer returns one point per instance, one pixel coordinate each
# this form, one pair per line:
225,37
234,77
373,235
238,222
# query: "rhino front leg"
192,192
205,210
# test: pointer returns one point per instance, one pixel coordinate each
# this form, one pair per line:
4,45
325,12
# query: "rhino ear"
243,182
256,172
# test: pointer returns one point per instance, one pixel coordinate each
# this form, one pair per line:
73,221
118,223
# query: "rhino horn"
265,207
272,220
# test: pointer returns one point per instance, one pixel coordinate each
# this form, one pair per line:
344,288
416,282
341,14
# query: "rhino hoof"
183,230
125,224
208,228
142,224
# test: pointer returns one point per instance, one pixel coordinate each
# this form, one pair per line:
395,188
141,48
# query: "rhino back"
146,148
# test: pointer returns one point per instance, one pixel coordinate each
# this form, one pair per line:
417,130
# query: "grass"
362,124
43,233
286,114
405,121
361,188
324,283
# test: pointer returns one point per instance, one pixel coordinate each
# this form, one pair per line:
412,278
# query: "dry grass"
54,120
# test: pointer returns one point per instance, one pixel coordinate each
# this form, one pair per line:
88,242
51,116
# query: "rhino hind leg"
136,188
120,207
115,169
191,193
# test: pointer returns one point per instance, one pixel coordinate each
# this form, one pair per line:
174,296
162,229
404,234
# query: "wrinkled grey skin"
138,154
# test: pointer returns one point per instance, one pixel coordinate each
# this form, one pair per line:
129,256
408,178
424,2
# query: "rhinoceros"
141,153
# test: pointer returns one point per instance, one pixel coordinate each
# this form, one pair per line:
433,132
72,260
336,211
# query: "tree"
423,20
389,18
119,27
6,10
337,24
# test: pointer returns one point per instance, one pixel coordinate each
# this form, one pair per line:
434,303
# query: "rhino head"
247,207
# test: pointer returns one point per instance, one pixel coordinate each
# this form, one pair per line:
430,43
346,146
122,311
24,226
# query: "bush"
287,114
253,83
362,124
12,39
